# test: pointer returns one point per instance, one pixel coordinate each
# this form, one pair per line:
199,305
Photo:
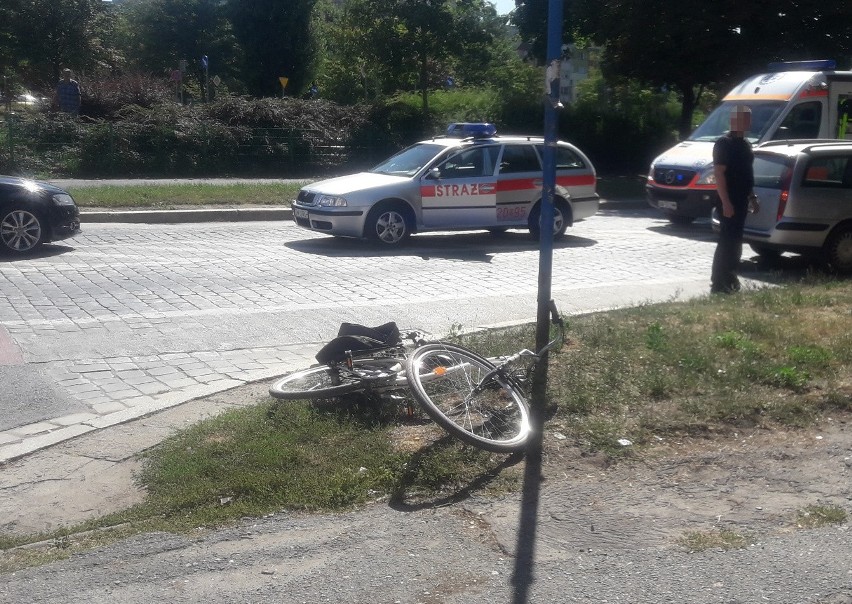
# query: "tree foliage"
44,36
278,40
162,33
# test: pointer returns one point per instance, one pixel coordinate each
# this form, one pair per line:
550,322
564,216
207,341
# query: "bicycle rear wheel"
322,381
450,384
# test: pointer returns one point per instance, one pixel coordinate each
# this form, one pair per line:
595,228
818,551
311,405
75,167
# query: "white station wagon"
470,179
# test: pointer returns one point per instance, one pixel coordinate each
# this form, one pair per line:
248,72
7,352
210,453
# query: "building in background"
576,65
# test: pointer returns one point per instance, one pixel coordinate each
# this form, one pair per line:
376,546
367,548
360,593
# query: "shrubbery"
131,127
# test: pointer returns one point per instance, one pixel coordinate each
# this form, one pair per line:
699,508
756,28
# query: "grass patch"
174,196
280,456
726,539
815,516
758,359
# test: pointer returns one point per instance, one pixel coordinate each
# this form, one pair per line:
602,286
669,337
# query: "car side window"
566,159
519,158
474,162
802,122
832,171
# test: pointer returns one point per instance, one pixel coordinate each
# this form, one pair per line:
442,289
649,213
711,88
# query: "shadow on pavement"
478,247
45,251
700,230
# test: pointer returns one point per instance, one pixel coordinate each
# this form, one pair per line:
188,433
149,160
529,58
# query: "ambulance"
799,100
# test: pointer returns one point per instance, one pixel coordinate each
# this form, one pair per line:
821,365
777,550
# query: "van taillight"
782,204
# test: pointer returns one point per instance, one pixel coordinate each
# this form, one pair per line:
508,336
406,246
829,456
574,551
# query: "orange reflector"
439,370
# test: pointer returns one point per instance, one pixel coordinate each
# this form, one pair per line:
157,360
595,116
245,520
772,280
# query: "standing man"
732,166
68,93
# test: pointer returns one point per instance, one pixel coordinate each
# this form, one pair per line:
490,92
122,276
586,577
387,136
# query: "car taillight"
782,204
786,179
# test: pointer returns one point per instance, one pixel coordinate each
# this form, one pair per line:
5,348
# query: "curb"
181,216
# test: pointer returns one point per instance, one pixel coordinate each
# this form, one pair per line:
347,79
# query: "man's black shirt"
735,154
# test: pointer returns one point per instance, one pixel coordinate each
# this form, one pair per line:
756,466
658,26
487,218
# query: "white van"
793,101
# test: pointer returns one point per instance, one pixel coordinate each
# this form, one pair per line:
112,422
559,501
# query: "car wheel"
21,230
679,219
561,218
837,251
388,224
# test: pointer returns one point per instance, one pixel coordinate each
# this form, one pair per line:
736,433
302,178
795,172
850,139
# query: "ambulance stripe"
758,97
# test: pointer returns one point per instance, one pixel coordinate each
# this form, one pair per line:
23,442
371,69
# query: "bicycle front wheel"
459,390
314,383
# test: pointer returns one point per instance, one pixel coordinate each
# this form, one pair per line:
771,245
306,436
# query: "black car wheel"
838,250
21,230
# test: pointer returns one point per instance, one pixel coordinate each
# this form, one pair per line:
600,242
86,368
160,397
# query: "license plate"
300,213
668,205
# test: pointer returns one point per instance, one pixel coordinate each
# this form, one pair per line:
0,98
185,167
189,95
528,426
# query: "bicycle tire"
314,383
444,380
327,381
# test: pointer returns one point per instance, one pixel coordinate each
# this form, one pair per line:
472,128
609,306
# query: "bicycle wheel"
322,381
450,384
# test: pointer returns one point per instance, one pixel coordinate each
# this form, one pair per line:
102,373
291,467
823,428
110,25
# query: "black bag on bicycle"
358,338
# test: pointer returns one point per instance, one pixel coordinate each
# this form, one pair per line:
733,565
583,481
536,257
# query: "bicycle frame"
502,363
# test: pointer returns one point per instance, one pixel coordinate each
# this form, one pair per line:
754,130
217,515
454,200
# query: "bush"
107,97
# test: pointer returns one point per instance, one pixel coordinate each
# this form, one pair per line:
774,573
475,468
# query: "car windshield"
409,161
763,114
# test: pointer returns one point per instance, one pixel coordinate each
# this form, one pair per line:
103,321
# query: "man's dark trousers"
729,250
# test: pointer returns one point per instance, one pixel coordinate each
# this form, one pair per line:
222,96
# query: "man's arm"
719,171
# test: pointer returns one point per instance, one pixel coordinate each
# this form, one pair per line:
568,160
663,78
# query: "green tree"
416,44
278,39
43,36
161,33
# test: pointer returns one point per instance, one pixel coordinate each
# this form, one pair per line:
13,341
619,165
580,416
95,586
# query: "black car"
33,213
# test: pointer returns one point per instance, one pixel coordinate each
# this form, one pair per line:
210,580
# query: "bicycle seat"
358,338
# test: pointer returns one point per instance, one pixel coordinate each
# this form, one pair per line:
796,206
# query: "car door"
772,180
824,196
519,182
461,190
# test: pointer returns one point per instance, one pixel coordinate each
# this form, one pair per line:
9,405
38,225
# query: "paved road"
127,319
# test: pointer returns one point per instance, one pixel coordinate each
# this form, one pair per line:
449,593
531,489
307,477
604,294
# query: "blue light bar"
819,65
474,129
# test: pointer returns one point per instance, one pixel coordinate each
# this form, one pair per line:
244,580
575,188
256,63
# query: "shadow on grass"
400,500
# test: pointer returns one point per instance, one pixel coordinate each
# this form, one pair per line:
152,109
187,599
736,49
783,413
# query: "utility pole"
524,573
